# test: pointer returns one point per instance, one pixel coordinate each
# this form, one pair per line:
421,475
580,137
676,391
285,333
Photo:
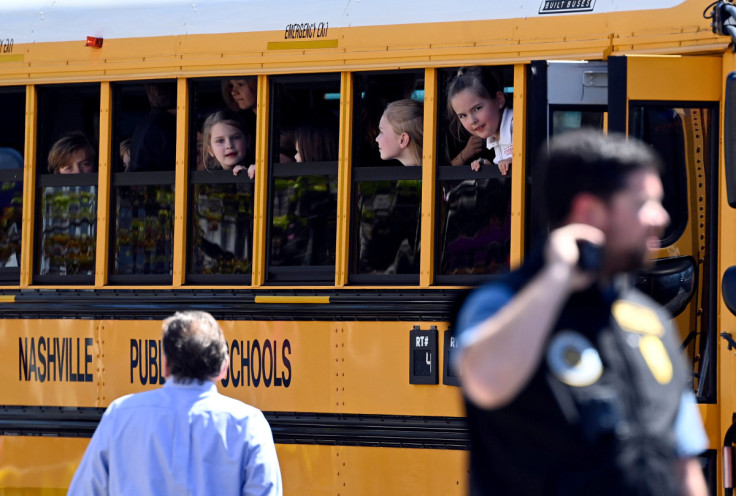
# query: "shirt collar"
195,385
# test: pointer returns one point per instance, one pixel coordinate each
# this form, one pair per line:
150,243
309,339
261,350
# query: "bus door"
672,103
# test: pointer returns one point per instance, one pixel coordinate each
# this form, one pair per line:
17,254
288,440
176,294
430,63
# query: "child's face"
81,161
479,116
389,143
242,94
227,145
298,156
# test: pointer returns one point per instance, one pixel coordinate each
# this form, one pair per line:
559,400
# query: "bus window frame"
361,173
141,178
713,108
452,172
319,275
207,176
707,367
214,177
45,178
11,275
59,180
133,178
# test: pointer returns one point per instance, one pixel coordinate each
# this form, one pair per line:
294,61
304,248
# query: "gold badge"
637,318
655,354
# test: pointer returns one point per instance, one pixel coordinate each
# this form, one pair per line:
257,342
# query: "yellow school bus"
335,279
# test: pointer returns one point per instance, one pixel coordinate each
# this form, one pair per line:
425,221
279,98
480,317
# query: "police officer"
573,379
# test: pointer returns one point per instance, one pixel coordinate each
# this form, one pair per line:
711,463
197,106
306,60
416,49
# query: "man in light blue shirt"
183,438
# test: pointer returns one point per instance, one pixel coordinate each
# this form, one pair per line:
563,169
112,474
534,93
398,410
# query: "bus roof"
35,21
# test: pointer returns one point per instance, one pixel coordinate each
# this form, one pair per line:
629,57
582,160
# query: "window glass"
388,126
12,140
67,236
222,220
473,195
303,182
222,158
142,191
671,130
570,119
66,160
143,226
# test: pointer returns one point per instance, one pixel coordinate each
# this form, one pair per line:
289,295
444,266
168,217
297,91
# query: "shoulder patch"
633,317
655,354
573,359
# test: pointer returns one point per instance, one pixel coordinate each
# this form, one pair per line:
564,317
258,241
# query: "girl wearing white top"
476,102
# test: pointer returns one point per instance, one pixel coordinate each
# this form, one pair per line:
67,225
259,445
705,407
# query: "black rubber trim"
231,304
305,169
464,172
395,431
144,178
386,173
11,175
61,180
617,93
220,177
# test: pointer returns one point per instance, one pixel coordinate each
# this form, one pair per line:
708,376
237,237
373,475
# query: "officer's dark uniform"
597,417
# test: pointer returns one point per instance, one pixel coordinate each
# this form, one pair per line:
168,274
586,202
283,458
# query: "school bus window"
12,131
682,135
474,139
569,119
67,158
388,118
222,137
303,187
142,194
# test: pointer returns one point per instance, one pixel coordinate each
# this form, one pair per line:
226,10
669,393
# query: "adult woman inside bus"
240,95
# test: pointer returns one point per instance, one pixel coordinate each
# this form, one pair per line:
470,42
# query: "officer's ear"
587,208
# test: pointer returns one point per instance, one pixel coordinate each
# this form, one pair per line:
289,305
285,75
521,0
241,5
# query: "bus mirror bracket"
723,21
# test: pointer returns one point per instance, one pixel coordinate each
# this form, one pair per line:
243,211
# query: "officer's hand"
562,254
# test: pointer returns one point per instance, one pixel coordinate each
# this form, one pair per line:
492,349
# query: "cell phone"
590,256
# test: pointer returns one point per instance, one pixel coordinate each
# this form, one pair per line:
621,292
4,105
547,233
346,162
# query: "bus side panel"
42,465
325,367
357,470
50,363
38,465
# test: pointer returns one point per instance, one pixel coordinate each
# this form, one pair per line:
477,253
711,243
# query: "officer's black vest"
613,436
